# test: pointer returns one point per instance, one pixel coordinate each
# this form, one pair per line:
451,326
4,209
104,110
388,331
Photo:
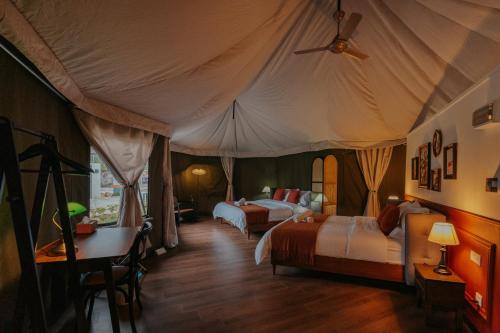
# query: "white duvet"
278,211
357,237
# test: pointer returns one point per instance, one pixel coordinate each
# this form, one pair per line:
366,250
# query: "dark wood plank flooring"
211,284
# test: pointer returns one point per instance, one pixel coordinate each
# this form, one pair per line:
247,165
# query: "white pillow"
407,206
305,198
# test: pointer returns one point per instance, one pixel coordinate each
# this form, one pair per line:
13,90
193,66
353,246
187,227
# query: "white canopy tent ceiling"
183,63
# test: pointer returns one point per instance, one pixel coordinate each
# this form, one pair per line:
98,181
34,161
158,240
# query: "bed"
277,210
356,246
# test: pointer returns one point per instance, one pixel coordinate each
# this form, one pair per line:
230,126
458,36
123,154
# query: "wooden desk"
94,253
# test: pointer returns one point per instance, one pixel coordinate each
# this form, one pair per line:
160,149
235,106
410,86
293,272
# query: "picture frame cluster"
421,164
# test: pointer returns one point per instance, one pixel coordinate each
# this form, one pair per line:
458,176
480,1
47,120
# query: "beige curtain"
228,166
126,151
374,164
170,230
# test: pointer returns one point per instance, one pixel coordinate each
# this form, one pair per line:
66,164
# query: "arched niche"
330,173
317,185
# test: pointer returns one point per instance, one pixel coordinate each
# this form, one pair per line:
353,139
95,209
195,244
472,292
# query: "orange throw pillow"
293,196
279,194
388,219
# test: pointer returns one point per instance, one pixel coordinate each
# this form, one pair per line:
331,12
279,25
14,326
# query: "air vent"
487,115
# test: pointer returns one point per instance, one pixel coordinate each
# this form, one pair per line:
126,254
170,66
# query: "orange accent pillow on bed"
293,196
388,219
279,194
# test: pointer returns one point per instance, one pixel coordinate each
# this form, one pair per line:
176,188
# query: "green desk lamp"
74,209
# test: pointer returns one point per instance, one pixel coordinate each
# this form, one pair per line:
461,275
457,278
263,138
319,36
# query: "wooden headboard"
478,236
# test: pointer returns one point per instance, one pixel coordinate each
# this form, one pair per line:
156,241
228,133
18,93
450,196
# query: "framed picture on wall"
424,165
450,161
414,168
437,142
436,180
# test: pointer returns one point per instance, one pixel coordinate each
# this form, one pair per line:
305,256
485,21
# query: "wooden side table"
440,292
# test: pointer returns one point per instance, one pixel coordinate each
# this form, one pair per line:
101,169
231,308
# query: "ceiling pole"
234,120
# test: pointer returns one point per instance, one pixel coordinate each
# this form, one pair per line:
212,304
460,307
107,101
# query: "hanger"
45,149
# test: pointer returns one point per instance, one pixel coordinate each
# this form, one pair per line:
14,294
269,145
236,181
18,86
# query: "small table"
445,292
95,252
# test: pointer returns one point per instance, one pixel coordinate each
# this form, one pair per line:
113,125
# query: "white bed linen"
278,211
357,237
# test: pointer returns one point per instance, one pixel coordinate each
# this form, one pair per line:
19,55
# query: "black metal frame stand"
27,232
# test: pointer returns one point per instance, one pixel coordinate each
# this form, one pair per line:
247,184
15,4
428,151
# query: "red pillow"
293,196
279,194
388,219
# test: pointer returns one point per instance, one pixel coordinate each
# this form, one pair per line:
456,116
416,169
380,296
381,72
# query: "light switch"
479,299
475,257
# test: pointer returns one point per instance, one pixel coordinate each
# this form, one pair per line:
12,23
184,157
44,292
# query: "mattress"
358,238
278,211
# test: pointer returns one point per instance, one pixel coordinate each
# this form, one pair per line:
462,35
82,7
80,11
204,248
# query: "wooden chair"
127,273
184,211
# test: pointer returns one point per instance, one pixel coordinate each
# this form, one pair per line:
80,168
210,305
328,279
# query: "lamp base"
59,249
442,270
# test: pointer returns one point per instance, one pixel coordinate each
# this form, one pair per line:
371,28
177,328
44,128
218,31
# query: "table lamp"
267,191
443,234
74,209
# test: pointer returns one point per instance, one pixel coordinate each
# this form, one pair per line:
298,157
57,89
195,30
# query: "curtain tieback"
373,191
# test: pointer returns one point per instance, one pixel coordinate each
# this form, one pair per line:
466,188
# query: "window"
106,191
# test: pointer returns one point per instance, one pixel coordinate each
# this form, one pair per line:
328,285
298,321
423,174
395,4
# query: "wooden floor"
211,284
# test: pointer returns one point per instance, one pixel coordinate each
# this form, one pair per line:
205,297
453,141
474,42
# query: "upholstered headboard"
418,249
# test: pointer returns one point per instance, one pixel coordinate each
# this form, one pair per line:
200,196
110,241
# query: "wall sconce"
199,172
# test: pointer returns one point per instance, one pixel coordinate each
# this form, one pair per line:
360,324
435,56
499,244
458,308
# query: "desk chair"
127,274
184,211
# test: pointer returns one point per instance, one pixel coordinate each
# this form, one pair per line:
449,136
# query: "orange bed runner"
296,241
254,214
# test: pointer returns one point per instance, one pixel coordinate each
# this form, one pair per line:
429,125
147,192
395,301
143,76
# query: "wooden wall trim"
485,230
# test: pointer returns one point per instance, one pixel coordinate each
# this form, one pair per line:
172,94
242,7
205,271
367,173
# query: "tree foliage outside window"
106,191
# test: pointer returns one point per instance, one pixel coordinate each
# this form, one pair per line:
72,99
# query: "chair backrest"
139,246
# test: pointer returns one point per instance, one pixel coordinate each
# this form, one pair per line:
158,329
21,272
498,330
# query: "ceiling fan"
340,43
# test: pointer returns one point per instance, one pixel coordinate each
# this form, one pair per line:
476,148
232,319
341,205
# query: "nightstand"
440,292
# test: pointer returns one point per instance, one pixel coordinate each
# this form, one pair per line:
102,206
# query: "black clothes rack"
26,231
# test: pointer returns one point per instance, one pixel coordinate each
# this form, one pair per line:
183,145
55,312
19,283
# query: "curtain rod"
29,66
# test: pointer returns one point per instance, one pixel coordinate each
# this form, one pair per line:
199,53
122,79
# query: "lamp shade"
266,189
443,233
75,208
199,172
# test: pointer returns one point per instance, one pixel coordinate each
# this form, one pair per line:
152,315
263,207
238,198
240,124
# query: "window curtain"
228,166
168,208
126,151
374,164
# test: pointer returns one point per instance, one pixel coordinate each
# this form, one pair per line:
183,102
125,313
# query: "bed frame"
417,250
261,227
361,268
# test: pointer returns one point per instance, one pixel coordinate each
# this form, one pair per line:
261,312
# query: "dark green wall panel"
291,171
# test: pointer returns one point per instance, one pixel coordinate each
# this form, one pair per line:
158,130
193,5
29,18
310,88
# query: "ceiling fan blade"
355,53
317,49
350,26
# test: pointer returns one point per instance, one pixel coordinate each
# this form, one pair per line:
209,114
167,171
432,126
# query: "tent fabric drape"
422,55
228,166
15,28
126,151
170,237
374,164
